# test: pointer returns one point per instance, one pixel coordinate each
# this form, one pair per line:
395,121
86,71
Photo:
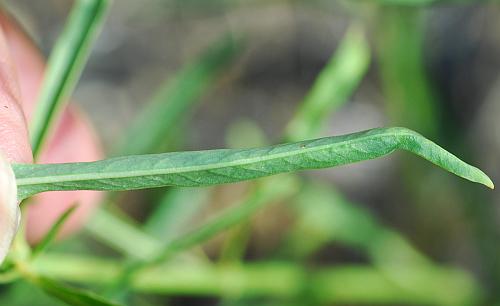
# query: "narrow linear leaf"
213,167
65,65
53,231
70,295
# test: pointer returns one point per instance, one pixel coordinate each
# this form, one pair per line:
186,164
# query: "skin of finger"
73,140
9,209
14,143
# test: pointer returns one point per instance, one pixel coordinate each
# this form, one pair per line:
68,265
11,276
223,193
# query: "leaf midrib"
165,171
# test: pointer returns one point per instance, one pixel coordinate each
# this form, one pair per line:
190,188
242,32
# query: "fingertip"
14,140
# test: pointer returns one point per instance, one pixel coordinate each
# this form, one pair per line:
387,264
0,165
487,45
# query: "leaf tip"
486,181
490,185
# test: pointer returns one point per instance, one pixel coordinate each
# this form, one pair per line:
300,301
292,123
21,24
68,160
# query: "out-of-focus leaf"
72,296
173,211
272,190
244,134
176,97
324,216
333,87
22,293
53,231
275,189
124,236
408,95
65,65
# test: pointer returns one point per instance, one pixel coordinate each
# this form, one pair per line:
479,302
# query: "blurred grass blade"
236,243
175,99
348,284
173,211
53,231
334,85
214,167
273,190
72,296
65,65
122,235
408,95
155,126
324,215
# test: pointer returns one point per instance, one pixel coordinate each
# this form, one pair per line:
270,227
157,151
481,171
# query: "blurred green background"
394,231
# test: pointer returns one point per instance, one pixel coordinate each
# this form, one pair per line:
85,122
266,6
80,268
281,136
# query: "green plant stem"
148,133
324,216
347,67
117,233
174,210
273,190
408,95
65,66
333,87
347,284
54,230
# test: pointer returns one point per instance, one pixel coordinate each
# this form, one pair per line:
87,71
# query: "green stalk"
408,96
65,65
333,87
347,284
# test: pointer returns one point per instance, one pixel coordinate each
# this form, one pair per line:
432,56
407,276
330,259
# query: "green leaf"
213,167
70,295
53,231
65,66
334,85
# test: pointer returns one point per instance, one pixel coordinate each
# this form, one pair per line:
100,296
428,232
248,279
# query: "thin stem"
65,66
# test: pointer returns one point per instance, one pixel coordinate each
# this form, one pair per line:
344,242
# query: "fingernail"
9,208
